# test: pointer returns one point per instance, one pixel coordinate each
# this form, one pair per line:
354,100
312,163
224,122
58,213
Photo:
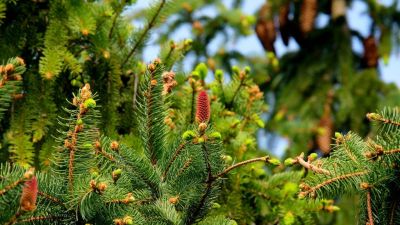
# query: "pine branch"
332,180
143,35
14,218
40,218
236,92
209,183
51,198
378,117
193,103
369,209
117,13
11,186
227,170
172,160
135,90
310,166
349,153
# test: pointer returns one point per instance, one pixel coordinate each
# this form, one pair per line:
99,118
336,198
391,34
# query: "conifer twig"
369,209
11,186
326,182
121,6
143,35
310,166
51,198
230,104
172,160
14,218
135,90
392,151
378,117
227,170
36,218
193,108
209,182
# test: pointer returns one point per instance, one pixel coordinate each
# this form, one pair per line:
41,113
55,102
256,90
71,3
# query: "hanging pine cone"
371,56
284,23
324,137
265,28
325,126
338,8
307,15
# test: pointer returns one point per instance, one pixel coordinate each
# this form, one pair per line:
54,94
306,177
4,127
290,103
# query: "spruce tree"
367,168
173,178
65,44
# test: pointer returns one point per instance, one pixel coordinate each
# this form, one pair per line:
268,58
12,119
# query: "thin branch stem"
369,209
227,170
51,198
172,160
118,11
383,120
392,151
209,182
143,35
192,108
13,219
36,218
105,154
11,186
71,169
341,177
348,152
236,93
135,90
149,102
310,166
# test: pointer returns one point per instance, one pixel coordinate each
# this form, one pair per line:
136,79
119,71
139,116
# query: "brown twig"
392,151
341,177
310,166
35,218
172,160
11,186
51,198
383,120
369,209
209,182
227,170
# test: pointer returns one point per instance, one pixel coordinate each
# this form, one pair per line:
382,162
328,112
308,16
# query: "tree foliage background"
303,95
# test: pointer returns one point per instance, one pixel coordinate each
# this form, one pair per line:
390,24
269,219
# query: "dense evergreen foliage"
148,143
364,167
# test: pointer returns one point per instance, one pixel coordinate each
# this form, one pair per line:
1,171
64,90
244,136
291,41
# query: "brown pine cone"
307,15
265,28
371,55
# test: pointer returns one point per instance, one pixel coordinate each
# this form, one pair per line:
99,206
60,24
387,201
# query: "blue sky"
356,16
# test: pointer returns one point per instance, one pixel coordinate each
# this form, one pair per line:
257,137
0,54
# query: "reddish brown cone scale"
203,108
29,195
